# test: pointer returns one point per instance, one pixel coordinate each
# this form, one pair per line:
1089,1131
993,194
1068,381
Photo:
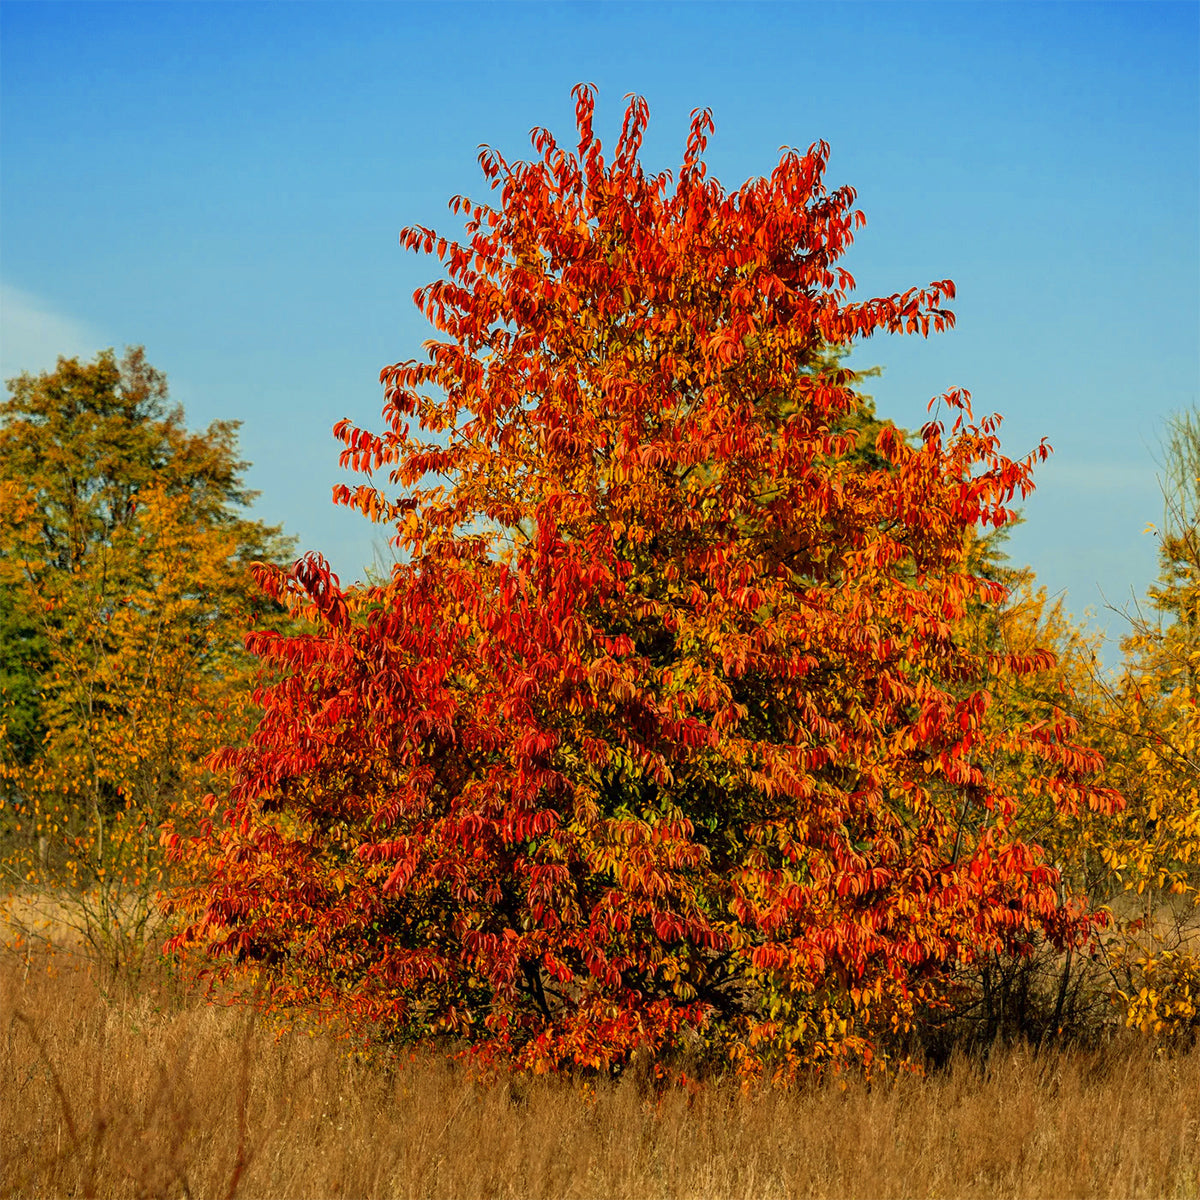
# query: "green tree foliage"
124,554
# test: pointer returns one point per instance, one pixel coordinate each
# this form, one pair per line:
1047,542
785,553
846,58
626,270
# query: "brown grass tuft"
109,1092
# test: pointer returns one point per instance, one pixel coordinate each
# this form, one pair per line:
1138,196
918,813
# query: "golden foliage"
124,563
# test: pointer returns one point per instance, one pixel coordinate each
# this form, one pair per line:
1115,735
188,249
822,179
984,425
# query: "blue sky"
224,183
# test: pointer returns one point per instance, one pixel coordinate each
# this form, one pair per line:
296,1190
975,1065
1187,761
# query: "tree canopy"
660,731
124,593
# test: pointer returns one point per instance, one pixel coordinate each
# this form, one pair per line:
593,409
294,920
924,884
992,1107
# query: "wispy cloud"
33,335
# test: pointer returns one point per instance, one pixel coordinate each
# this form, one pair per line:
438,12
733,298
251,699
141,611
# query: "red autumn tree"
659,728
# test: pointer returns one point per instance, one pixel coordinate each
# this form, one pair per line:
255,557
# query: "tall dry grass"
110,1092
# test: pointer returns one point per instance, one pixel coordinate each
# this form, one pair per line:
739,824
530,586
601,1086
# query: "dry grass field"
114,1092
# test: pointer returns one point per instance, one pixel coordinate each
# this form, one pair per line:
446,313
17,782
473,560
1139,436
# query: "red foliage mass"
660,722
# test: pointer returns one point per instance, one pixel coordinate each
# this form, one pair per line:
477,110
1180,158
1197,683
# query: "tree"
660,729
125,582
24,658
1171,647
1050,991
1152,736
1140,867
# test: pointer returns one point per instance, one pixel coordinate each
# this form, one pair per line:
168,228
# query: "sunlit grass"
151,1091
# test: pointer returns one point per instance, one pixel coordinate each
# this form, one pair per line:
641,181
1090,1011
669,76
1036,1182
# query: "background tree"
1050,991
1151,733
661,729
1170,648
24,659
1142,866
124,577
